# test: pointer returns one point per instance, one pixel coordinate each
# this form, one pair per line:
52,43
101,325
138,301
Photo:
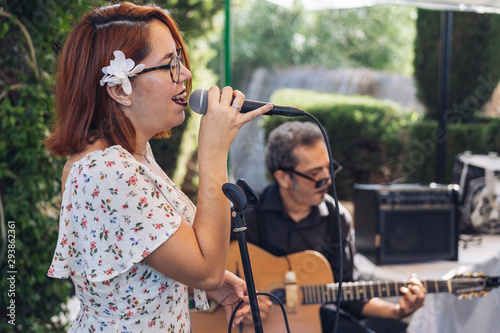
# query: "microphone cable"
258,294
334,195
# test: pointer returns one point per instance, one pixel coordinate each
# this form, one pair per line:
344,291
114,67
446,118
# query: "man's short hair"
282,140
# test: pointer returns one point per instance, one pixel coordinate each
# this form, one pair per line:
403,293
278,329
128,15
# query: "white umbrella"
480,6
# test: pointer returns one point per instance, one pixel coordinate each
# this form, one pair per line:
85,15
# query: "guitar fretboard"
352,291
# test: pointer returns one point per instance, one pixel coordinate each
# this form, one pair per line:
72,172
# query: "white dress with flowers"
115,211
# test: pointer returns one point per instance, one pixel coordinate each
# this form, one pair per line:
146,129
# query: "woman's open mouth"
180,98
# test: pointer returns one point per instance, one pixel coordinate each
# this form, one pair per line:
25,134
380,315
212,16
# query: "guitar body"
269,271
313,285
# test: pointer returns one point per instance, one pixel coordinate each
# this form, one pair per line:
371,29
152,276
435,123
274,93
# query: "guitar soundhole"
280,293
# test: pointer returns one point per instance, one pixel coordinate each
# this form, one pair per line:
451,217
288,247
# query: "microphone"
198,101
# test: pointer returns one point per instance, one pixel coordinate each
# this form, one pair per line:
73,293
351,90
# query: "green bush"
365,134
29,182
419,158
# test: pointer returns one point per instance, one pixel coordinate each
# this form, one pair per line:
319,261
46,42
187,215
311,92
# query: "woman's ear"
117,93
282,178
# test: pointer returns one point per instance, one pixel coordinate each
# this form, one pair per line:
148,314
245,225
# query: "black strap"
332,214
332,230
262,228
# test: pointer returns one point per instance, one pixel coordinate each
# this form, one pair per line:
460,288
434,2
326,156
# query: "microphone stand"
239,229
238,197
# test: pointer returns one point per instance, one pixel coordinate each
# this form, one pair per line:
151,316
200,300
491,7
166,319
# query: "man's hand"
413,298
265,305
232,291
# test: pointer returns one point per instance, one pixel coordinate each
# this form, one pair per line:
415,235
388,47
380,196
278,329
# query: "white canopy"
480,6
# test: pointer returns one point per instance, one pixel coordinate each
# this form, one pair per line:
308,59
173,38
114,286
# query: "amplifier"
402,223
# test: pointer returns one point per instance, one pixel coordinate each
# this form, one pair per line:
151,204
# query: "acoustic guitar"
304,281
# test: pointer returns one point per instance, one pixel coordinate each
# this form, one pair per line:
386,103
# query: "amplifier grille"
405,222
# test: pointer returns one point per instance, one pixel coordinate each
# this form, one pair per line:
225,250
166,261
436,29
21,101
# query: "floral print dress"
114,212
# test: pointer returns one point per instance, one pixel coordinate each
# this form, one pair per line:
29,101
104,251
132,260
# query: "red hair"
85,111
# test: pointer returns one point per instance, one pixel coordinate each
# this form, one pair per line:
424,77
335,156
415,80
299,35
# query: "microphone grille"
198,101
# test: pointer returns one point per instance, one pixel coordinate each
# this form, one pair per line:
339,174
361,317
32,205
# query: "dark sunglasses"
320,182
174,65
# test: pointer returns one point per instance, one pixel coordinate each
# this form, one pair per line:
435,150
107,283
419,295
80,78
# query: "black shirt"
270,228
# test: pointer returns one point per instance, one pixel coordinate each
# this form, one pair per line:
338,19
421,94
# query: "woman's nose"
185,74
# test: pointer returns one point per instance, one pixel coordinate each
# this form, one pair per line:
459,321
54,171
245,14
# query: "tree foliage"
376,37
267,35
475,65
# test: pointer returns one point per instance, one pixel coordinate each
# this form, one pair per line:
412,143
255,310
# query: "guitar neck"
353,291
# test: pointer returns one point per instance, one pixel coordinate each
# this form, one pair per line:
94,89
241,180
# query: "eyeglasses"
318,183
321,182
174,66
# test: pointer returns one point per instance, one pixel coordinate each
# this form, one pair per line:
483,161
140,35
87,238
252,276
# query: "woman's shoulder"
90,156
94,159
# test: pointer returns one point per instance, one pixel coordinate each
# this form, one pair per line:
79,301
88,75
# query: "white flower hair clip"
119,71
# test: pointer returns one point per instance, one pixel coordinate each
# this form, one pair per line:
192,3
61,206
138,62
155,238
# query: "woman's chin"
179,119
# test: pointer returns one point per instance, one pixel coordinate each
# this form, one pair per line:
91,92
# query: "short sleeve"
114,213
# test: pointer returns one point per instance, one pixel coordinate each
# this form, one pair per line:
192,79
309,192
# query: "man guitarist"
296,214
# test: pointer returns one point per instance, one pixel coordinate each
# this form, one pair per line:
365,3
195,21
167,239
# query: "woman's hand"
223,120
232,291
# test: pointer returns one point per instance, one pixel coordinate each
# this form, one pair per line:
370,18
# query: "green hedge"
365,134
419,158
376,141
